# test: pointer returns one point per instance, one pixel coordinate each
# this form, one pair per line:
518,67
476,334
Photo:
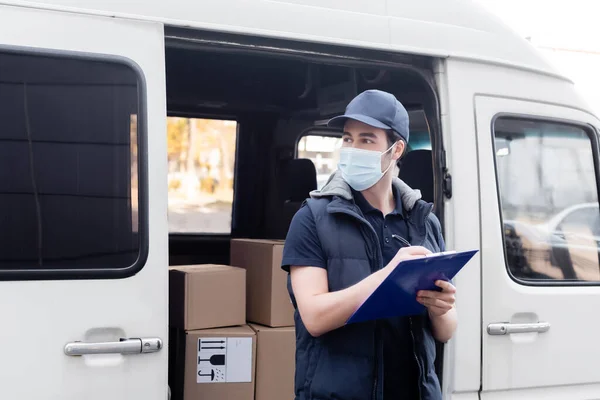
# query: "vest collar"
342,201
337,186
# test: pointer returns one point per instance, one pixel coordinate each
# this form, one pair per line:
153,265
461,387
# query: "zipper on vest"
414,345
380,263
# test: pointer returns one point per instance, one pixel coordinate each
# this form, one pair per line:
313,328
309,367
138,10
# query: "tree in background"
203,151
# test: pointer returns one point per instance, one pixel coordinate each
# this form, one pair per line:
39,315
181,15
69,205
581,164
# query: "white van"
501,143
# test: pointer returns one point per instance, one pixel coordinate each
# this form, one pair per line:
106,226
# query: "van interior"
278,93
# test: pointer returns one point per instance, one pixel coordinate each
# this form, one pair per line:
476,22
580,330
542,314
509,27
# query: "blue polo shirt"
400,379
303,247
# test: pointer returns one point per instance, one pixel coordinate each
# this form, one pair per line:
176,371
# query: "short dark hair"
393,137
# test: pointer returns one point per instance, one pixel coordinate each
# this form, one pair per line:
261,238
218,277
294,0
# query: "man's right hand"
323,311
408,253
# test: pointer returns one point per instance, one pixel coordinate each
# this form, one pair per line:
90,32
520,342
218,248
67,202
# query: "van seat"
295,180
417,172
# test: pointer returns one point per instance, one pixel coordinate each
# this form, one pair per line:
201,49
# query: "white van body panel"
40,317
462,367
483,67
564,355
463,396
556,364
554,393
450,28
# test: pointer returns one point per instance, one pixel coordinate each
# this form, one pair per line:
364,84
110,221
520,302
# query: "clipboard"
396,296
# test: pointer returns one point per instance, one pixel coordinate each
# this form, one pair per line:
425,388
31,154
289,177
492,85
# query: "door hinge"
446,178
447,185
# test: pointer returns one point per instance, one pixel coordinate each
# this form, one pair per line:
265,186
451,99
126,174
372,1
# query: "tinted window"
68,164
323,152
549,200
201,167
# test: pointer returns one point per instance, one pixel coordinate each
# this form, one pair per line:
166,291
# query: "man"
341,245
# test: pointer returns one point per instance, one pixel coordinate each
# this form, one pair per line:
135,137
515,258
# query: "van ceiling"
220,83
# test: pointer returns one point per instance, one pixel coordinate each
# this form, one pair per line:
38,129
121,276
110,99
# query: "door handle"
124,346
506,328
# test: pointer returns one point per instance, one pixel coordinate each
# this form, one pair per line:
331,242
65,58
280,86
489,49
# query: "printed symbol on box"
224,360
212,364
213,375
215,359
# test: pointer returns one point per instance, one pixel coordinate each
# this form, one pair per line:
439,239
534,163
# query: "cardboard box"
206,296
213,364
267,301
275,362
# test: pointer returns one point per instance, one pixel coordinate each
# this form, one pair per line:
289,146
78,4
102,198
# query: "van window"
420,132
549,200
69,193
323,152
201,155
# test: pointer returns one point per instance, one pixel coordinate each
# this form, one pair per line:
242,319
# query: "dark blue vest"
347,363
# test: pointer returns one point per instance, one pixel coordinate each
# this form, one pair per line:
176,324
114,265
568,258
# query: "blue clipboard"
396,296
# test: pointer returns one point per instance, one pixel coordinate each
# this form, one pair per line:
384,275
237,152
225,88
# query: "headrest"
417,172
298,177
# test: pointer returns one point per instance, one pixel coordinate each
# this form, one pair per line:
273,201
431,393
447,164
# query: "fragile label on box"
222,360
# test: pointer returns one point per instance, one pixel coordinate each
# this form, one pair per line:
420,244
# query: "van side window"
549,200
323,151
201,154
69,190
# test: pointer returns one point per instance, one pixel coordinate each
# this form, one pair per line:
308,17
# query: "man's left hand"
438,303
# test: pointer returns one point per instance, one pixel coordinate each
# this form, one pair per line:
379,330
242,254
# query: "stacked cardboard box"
206,296
267,302
275,362
270,311
212,352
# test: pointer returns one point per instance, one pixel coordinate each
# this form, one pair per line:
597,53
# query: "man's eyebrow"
362,134
368,134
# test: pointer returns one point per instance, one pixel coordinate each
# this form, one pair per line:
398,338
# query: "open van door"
83,259
540,236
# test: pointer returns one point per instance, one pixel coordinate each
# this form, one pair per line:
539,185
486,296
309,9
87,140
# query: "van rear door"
83,258
540,236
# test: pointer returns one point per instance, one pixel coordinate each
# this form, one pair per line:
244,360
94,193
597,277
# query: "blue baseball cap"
378,109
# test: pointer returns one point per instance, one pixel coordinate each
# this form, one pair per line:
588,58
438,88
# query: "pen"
406,243
401,239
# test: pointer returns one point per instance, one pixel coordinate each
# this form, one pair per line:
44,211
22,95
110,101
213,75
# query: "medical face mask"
361,169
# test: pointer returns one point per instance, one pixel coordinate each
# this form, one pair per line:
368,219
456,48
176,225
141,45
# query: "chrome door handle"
124,346
506,328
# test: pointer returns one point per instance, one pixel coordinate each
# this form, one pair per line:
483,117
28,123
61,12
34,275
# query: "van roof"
439,28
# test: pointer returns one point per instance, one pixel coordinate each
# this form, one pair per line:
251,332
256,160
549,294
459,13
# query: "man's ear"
399,149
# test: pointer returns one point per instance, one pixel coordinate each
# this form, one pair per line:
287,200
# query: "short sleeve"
302,245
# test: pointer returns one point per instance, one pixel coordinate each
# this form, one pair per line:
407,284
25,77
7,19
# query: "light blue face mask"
361,169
